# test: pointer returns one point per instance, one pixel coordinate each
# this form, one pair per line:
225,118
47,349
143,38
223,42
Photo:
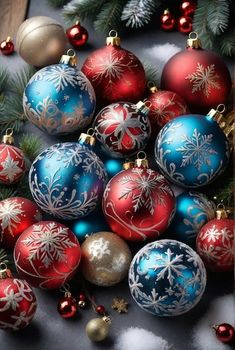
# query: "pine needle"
109,17
4,76
7,192
218,16
82,9
227,43
57,3
19,80
3,257
137,13
31,146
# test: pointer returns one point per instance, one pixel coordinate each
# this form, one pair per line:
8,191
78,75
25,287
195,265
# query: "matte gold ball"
41,41
97,329
105,259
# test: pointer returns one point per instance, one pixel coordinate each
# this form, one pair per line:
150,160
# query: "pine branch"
23,189
151,73
200,24
4,76
31,146
82,9
218,16
3,257
57,3
19,80
7,192
109,16
137,13
227,43
225,194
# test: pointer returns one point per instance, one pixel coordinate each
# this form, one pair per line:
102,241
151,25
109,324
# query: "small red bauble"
7,46
215,243
67,307
77,35
17,302
185,24
100,309
200,77
167,21
188,8
123,128
16,214
225,333
115,73
138,203
47,254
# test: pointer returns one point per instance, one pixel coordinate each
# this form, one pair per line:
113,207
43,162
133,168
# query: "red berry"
82,297
100,309
67,307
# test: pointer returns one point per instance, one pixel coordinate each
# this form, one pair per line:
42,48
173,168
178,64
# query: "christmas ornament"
17,301
185,24
16,214
138,203
67,306
215,243
164,106
225,333
97,329
115,73
59,99
192,150
167,278
7,46
82,301
199,76
167,21
12,162
123,128
120,305
188,8
105,259
77,35
41,41
67,179
100,309
193,210
47,254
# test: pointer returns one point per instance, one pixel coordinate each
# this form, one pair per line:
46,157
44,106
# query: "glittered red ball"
188,8
12,164
138,204
215,244
7,47
16,214
47,254
167,21
17,304
122,129
67,307
116,74
225,333
185,24
77,35
200,77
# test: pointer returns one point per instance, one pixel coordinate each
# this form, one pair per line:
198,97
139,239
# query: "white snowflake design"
204,79
48,243
98,248
10,168
10,214
196,150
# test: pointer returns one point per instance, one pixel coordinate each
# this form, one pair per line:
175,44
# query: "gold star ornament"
120,305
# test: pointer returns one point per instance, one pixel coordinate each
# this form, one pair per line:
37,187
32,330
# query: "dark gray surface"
48,331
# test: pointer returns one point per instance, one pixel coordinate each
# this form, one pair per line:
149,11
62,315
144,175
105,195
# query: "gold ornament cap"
4,272
143,106
221,213
193,41
107,319
8,138
113,38
128,164
152,87
141,161
70,58
88,138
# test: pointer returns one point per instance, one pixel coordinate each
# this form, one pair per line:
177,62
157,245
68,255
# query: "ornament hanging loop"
141,161
8,138
66,290
193,41
220,108
152,87
113,38
4,271
70,58
88,137
221,212
143,107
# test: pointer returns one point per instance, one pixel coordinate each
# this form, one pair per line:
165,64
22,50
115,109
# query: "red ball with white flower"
47,255
16,214
138,203
115,73
123,128
215,243
17,302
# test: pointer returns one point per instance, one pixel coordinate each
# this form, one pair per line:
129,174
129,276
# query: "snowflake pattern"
10,168
98,248
204,79
10,214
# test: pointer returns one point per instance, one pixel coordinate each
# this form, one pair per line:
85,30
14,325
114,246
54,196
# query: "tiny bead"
82,297
100,309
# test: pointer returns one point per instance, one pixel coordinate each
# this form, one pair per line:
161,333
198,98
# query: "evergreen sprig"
109,17
57,3
82,9
31,146
3,257
137,13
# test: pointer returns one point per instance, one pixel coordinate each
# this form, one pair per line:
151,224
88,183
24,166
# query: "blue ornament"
67,180
192,150
59,99
193,210
167,278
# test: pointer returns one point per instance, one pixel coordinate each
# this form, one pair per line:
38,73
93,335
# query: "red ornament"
115,73
7,46
167,21
225,333
215,243
16,214
17,302
185,24
164,106
47,254
100,309
138,203
82,297
200,77
77,35
188,8
123,128
67,306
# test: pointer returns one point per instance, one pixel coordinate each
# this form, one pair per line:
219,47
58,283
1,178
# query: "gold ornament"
41,41
97,329
105,259
120,305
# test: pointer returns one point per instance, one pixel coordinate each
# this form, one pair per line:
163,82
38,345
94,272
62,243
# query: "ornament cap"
113,38
107,319
88,138
152,87
8,138
221,213
4,272
128,164
70,58
141,161
143,107
193,41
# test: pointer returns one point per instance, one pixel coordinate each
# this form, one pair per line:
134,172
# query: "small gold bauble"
97,329
41,41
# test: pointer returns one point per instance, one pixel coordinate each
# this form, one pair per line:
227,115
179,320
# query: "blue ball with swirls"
167,278
192,150
193,210
59,99
67,180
